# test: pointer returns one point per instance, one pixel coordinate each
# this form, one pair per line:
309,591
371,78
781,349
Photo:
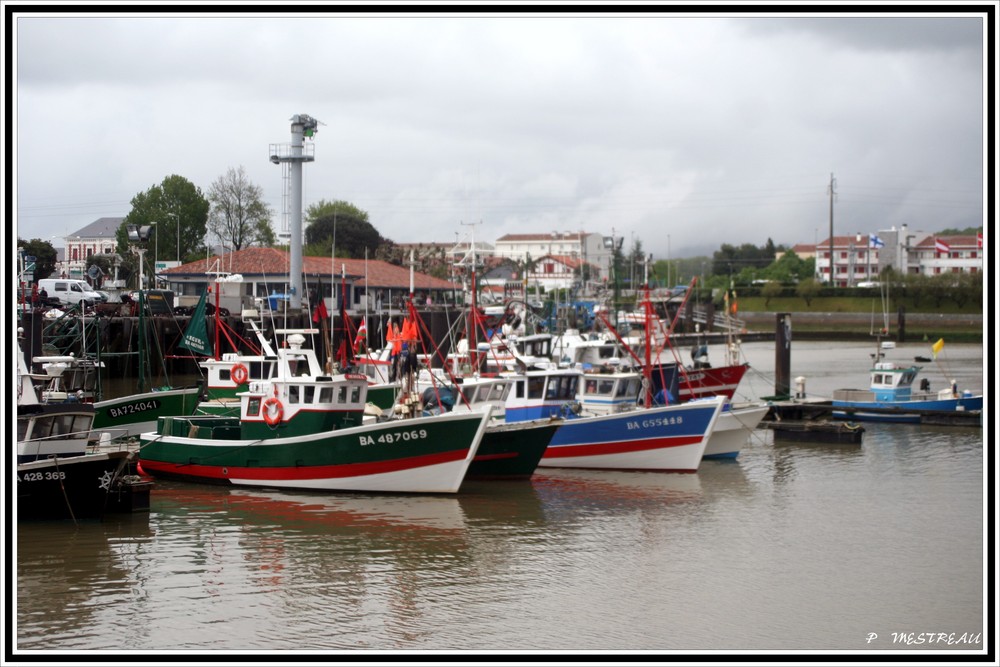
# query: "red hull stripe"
494,457
305,472
599,449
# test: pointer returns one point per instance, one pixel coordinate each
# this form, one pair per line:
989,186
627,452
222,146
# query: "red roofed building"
856,260
264,272
964,255
557,272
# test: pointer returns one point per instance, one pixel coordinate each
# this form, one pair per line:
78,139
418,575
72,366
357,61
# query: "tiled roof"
102,228
273,262
953,241
567,260
551,236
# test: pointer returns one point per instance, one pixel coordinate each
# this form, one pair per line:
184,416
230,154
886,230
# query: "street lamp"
139,234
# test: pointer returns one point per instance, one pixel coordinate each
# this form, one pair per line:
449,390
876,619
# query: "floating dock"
822,431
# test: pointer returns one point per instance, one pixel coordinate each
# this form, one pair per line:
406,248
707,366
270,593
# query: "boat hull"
512,451
670,438
903,412
132,415
421,455
88,486
732,431
695,383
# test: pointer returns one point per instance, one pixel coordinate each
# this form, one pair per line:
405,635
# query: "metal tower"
291,156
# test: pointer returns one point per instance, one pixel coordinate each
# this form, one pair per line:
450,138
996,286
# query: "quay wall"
117,339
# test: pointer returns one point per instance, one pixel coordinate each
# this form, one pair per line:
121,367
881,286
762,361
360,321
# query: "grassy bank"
852,305
853,319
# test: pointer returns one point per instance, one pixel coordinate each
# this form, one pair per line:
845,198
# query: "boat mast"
646,368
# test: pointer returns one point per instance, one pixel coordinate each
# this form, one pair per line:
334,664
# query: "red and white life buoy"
239,374
273,417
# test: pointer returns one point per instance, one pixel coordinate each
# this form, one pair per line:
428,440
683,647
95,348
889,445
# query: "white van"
70,291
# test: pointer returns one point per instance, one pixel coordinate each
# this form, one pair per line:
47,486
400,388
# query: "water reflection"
68,575
574,496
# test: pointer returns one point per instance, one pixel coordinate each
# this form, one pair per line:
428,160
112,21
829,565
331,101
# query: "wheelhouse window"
536,387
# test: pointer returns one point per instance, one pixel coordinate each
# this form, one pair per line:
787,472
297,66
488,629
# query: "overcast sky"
684,132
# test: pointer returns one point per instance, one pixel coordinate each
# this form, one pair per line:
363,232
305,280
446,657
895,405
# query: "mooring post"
782,354
901,325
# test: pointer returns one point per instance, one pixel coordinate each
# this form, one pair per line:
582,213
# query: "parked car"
70,291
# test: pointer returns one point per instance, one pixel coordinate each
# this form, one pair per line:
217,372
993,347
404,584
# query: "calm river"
795,548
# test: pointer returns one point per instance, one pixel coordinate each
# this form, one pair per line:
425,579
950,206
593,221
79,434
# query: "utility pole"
832,190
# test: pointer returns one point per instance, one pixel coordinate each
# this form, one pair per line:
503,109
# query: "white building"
557,272
97,238
582,247
935,255
858,259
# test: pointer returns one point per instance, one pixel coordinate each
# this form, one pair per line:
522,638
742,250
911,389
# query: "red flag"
320,312
941,246
362,337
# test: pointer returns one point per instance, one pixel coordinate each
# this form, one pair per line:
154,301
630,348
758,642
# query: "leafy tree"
324,208
940,287
789,268
808,289
916,286
179,212
239,217
970,288
45,256
770,290
345,225
968,231
636,260
731,259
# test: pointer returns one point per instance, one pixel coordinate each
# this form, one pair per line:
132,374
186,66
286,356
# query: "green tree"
916,286
324,208
970,288
343,228
808,289
239,217
731,259
789,268
940,287
179,213
636,263
770,290
44,253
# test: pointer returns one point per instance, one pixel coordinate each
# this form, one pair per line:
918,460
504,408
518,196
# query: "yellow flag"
937,346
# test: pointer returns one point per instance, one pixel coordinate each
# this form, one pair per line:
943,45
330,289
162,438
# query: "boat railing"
853,395
719,320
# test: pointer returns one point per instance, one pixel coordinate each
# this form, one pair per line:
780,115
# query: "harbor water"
792,547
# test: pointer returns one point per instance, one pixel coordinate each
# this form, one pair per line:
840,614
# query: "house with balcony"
856,259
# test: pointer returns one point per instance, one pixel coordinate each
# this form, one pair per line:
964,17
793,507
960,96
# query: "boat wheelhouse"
308,430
